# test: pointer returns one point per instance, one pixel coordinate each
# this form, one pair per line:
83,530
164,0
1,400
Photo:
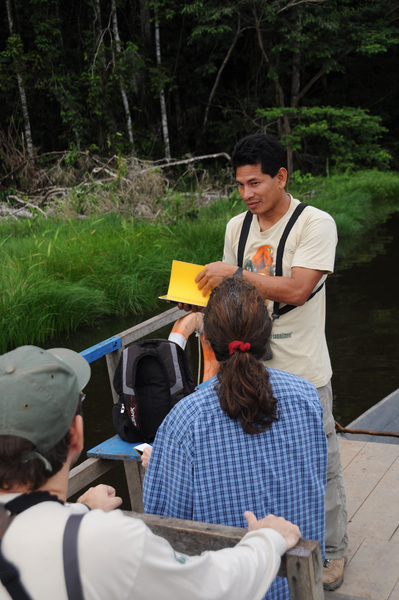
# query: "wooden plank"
84,474
378,516
112,361
193,537
142,329
373,571
372,461
105,347
395,592
364,472
348,449
304,574
134,478
395,537
338,596
371,481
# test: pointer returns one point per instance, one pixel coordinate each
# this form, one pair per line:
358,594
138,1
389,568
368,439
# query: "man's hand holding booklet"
182,285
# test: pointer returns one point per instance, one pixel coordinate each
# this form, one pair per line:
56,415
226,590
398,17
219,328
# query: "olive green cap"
39,393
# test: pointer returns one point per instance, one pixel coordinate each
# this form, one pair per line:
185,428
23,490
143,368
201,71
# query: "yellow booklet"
182,286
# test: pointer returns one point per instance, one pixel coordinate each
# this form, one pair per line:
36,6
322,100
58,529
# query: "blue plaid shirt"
204,467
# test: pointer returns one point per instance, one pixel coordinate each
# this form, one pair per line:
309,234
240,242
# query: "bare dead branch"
26,203
186,161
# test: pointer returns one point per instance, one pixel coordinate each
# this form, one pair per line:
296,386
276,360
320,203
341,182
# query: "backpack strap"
243,237
277,311
25,501
280,249
71,560
279,258
9,574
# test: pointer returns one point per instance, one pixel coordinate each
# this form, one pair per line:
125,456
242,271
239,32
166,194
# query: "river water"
362,332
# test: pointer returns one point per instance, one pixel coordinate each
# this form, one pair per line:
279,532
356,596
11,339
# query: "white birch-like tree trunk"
22,94
125,99
164,116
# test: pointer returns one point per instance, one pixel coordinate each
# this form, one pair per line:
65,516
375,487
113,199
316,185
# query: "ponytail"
237,326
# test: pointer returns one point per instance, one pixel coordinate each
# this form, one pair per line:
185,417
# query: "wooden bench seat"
302,565
114,449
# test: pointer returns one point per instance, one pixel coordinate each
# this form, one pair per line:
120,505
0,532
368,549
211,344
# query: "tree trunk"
164,115
99,52
118,48
283,125
296,79
145,23
219,74
296,61
22,94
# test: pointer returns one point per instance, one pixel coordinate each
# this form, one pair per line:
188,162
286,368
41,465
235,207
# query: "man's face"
262,193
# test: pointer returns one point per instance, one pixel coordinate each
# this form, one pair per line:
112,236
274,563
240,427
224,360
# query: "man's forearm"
291,290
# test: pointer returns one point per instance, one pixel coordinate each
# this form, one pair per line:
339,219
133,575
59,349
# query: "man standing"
293,277
110,556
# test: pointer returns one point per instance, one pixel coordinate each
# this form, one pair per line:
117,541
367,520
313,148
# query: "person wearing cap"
117,557
248,437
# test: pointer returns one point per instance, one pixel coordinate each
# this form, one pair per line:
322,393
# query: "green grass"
56,276
356,201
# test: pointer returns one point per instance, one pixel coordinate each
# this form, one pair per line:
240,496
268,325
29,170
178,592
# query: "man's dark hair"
32,473
259,148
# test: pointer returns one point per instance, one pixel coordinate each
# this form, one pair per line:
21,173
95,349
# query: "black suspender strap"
71,561
243,237
279,258
277,311
280,248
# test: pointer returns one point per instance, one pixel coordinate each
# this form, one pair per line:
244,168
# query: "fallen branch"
341,429
26,203
185,161
97,170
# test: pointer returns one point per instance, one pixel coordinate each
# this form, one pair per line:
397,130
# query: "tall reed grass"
56,276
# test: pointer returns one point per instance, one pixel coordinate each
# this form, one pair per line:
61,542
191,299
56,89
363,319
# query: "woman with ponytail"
249,438
237,326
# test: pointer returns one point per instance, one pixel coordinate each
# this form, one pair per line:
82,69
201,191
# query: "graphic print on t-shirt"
262,261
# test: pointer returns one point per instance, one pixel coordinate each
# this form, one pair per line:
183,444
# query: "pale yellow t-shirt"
298,338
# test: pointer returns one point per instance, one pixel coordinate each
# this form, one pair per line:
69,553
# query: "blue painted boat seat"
115,449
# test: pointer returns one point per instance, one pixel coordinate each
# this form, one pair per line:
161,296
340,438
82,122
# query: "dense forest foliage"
158,79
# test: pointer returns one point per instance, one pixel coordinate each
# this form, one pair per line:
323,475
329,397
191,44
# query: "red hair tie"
242,346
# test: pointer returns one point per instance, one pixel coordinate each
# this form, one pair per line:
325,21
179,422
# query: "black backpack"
150,378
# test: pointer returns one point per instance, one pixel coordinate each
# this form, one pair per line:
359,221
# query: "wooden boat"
382,419
371,472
